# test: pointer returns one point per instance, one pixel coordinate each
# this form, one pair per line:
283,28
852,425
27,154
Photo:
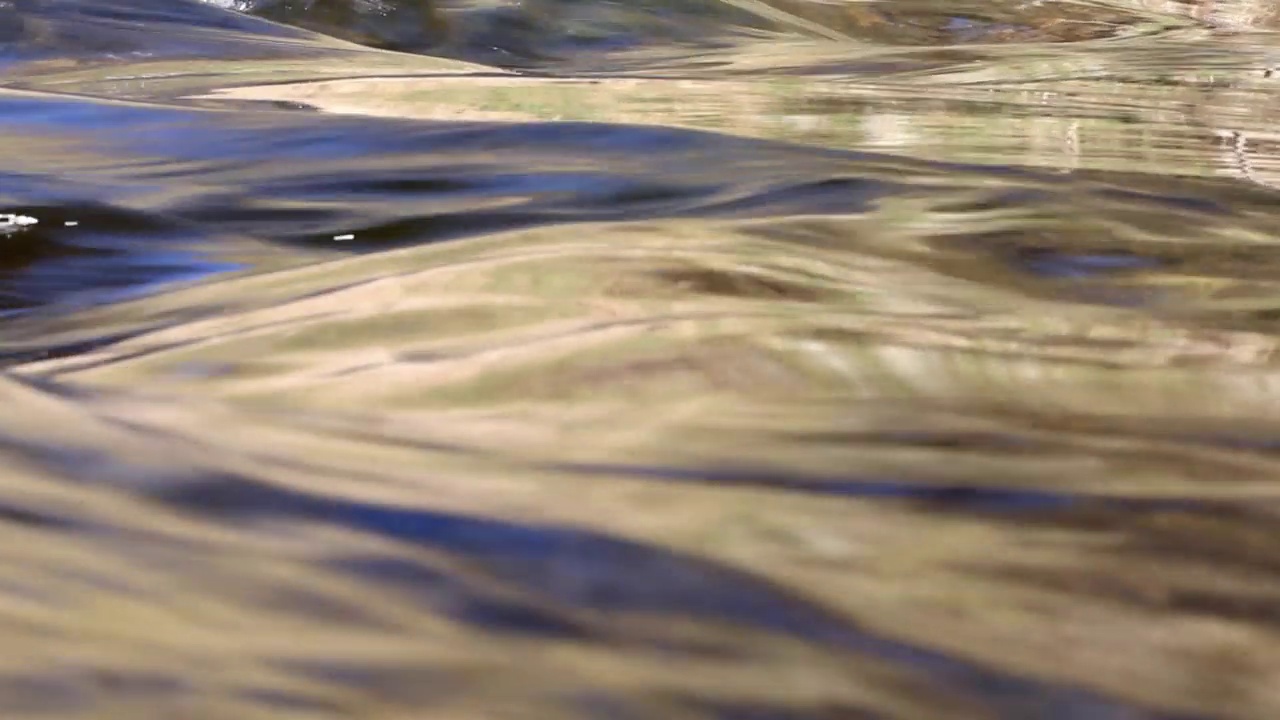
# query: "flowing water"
727,359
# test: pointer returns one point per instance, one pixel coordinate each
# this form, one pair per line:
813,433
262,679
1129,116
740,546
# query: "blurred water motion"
672,359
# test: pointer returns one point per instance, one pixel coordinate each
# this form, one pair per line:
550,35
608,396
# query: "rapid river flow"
659,359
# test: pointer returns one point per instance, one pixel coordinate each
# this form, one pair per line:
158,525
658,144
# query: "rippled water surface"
679,359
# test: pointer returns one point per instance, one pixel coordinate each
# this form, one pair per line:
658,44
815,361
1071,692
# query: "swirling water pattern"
697,359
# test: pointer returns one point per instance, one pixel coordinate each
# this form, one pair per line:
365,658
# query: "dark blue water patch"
583,569
938,496
102,279
440,181
590,137
312,178
137,135
274,142
416,231
1057,264
567,567
92,254
433,204
570,567
472,202
506,609
451,595
580,569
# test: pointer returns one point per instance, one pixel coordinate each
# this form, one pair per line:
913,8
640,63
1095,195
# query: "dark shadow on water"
942,496
93,254
589,571
462,601
139,205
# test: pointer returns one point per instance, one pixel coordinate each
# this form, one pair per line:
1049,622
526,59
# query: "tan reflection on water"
686,344
1068,479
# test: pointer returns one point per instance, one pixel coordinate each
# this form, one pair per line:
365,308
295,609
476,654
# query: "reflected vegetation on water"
729,359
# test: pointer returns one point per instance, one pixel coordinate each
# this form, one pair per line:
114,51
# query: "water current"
679,359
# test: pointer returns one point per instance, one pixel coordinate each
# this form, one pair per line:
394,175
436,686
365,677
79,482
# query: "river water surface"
725,359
